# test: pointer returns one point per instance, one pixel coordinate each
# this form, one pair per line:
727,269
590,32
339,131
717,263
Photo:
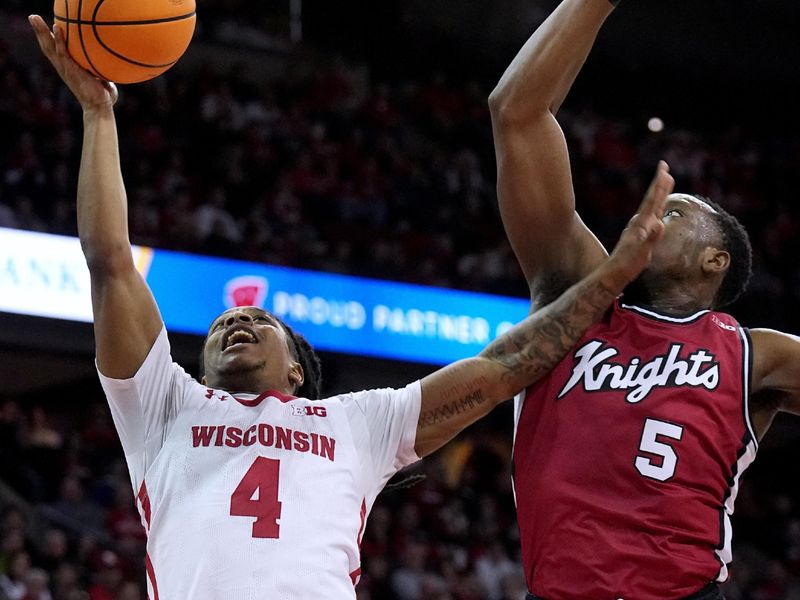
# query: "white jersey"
250,497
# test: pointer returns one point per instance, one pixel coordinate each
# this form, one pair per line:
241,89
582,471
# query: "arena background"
355,138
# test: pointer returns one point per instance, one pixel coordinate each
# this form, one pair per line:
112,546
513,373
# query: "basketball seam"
125,58
66,35
83,45
117,54
113,23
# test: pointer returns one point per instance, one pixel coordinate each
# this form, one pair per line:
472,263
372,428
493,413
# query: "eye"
671,212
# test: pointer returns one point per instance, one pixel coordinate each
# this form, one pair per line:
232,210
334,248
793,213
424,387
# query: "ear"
296,375
716,261
203,380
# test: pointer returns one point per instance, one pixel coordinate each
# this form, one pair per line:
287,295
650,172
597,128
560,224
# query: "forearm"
102,204
542,73
533,347
460,394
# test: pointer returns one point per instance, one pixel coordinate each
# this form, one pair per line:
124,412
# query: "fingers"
656,197
43,35
656,231
61,45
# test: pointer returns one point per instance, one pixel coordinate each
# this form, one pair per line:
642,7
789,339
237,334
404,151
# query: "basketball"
126,41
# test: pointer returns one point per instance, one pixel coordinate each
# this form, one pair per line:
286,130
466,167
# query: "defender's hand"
91,92
634,250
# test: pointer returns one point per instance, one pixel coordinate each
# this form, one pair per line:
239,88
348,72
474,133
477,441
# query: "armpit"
548,287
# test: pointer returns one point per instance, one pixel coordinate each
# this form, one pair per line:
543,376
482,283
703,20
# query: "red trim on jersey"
363,521
356,575
260,398
144,502
151,575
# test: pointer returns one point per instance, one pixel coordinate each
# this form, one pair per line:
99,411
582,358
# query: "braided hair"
304,353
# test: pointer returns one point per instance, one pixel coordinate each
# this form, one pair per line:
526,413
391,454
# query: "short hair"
736,242
303,353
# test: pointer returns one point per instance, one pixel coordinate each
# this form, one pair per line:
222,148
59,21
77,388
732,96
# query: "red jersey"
627,458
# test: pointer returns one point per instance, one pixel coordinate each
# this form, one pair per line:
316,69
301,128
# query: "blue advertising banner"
337,313
45,275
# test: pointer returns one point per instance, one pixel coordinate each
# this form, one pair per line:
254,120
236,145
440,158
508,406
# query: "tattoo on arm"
453,409
468,396
535,346
524,353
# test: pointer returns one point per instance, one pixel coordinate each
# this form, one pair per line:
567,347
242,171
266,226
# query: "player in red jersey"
628,455
248,484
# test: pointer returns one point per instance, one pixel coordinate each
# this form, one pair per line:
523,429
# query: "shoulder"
156,364
771,350
771,345
380,399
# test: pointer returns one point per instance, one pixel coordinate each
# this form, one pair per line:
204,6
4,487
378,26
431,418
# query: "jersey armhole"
747,380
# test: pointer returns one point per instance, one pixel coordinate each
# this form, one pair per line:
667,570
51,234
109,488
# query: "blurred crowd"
325,166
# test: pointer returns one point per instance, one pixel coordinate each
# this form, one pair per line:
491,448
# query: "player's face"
691,236
689,230
248,346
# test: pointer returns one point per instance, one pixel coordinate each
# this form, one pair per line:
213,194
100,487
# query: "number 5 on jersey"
257,496
649,443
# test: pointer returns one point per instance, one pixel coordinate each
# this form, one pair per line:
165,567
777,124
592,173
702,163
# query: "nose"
238,316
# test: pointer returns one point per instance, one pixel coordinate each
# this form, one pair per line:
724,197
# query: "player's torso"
626,454
256,499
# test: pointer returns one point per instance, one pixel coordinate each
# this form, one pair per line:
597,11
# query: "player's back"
627,458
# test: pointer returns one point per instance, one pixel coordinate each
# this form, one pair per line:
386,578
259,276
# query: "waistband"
710,592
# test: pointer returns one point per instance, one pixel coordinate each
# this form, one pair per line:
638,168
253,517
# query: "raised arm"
126,318
534,185
459,394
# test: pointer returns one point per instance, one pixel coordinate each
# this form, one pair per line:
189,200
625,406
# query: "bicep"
453,398
126,320
537,202
776,367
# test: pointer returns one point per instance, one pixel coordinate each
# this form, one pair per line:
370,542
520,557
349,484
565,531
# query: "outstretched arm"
534,185
126,318
458,395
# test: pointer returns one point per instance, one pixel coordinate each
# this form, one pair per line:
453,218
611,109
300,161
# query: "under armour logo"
214,394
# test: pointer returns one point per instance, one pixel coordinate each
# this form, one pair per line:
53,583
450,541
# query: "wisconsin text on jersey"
269,436
594,368
264,434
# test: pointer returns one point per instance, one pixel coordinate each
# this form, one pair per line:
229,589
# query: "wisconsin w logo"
597,372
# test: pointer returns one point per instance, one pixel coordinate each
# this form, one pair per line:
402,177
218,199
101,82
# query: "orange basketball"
126,41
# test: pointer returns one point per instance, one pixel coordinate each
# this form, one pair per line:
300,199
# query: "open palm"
90,91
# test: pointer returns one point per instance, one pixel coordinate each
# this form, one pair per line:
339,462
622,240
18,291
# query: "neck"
248,383
673,298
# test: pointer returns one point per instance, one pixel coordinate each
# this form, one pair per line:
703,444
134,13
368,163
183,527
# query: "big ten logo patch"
725,326
309,411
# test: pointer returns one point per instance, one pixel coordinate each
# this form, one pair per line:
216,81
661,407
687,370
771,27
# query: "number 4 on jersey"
261,482
650,444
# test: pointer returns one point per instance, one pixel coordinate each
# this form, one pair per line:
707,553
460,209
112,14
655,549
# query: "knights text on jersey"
250,497
627,458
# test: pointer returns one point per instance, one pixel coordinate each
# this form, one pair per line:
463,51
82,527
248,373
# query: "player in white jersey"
247,489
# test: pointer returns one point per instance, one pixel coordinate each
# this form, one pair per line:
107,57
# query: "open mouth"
238,336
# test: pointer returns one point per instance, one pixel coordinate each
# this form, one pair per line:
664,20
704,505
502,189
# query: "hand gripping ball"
126,41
